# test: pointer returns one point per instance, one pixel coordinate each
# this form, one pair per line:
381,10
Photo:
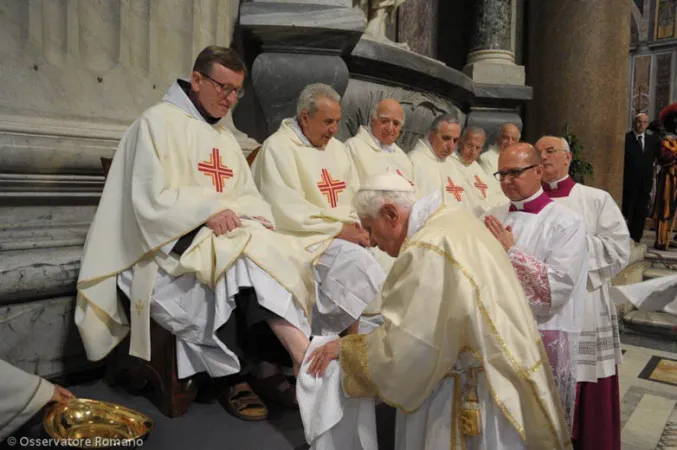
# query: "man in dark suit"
641,151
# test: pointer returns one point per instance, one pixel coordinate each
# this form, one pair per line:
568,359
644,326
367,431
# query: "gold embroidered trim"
501,342
357,380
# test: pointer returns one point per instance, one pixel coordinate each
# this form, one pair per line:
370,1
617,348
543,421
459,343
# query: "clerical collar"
457,152
533,204
386,148
297,128
430,147
560,188
185,87
178,95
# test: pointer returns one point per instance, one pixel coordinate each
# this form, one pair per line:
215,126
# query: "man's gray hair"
475,131
372,113
368,203
444,118
311,94
565,145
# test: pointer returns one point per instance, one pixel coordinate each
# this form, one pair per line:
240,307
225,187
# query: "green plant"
580,168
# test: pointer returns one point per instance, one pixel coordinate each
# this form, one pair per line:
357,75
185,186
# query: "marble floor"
648,380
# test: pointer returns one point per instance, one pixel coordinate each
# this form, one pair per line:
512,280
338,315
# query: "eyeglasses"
224,90
512,173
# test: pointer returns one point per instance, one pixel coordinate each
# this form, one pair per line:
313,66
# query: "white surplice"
22,395
659,294
608,246
549,257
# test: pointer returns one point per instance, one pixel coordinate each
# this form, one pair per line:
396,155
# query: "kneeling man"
459,354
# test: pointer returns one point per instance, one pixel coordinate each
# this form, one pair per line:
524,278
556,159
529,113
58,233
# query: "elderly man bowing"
545,242
597,423
459,354
309,180
182,231
434,171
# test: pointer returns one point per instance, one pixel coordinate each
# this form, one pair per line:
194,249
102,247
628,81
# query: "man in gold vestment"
459,354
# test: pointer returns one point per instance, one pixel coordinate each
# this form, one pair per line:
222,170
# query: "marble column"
578,67
491,59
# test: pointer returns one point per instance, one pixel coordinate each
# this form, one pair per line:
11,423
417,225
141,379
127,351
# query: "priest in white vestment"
545,242
459,354
434,170
309,180
182,231
597,423
23,395
508,134
487,189
374,150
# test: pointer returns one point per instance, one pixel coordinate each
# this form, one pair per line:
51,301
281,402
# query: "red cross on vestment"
479,184
456,191
331,188
213,168
399,172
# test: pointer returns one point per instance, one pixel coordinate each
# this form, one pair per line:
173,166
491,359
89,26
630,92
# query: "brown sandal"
276,388
240,401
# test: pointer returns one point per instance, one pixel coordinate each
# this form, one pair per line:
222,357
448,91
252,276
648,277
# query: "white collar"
297,128
386,148
555,184
520,204
421,210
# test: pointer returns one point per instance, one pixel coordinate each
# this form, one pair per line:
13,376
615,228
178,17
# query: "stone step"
657,324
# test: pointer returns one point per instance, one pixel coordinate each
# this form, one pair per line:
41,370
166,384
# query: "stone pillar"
578,67
295,43
491,59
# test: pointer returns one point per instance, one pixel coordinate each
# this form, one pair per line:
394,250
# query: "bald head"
508,134
520,171
386,122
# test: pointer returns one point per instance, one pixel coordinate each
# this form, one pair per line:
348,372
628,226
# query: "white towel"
659,294
331,420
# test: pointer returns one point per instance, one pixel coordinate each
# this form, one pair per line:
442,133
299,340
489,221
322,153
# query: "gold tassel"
471,416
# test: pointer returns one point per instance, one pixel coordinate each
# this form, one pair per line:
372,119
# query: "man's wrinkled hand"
61,395
224,222
503,234
353,232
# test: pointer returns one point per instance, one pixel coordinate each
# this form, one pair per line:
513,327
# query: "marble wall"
74,75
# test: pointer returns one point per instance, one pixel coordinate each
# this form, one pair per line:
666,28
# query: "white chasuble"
487,189
173,171
370,158
488,160
550,259
608,248
459,353
434,175
310,191
22,395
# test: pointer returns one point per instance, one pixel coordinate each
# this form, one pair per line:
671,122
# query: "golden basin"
84,423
